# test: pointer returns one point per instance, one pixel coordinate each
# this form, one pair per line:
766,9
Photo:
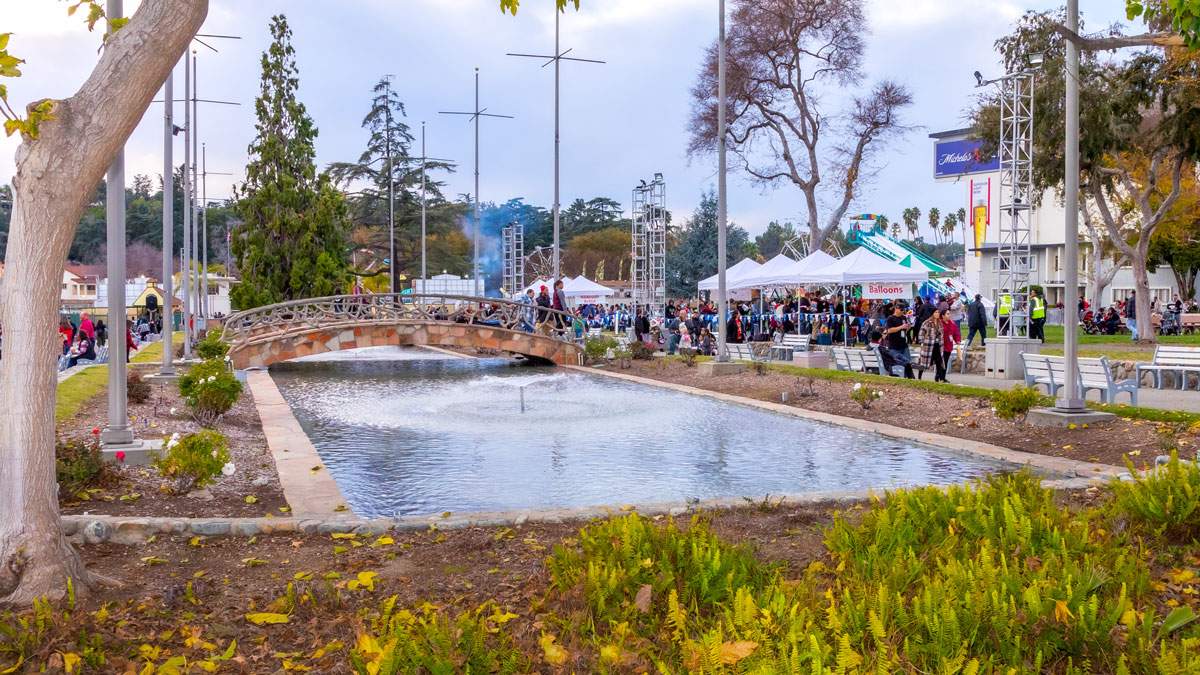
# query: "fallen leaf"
154,560
251,499
554,654
732,652
266,618
642,601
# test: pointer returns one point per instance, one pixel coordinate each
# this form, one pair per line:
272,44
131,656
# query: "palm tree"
912,216
935,218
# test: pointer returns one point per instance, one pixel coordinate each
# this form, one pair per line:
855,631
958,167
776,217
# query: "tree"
912,221
949,225
1176,242
771,242
293,238
784,57
601,250
694,257
1139,130
935,216
59,162
1181,16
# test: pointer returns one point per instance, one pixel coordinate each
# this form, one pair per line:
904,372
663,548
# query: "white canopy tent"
783,272
863,267
584,291
744,267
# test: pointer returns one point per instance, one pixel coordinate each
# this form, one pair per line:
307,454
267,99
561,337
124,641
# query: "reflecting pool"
412,435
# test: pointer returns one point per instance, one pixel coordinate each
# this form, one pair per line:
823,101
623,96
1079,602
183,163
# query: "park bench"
1038,372
593,332
841,360
742,352
856,360
1094,374
1171,359
1189,322
799,343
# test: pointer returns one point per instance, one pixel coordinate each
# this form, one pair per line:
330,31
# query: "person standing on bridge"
543,303
528,314
560,304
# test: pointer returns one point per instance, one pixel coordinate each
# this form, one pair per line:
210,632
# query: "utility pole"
117,433
391,187
168,220
1070,401
204,174
557,59
722,204
193,274
184,271
475,115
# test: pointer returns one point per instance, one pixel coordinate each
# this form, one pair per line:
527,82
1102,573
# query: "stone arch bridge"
274,333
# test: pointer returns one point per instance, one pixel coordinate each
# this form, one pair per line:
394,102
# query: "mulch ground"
901,406
140,491
459,569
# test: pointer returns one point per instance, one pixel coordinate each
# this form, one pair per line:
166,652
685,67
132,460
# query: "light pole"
168,220
722,205
117,433
1070,401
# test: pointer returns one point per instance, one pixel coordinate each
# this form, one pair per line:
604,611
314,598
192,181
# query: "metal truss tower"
514,259
1016,195
648,269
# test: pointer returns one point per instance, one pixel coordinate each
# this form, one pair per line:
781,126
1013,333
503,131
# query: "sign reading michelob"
981,212
883,291
962,157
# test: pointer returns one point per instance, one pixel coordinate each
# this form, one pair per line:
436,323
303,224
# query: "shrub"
193,461
137,389
429,641
1014,404
212,346
210,390
688,356
865,395
640,352
78,464
1164,501
597,348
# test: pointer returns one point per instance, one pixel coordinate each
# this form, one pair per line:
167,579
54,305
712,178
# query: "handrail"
387,308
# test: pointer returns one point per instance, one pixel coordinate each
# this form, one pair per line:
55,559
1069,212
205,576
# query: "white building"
957,159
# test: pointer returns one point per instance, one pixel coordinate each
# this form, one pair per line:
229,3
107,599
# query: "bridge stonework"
267,348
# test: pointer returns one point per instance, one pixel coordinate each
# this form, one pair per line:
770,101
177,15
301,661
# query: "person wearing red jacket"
951,337
130,344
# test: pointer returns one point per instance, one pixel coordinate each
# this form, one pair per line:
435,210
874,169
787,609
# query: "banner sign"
981,212
960,158
884,291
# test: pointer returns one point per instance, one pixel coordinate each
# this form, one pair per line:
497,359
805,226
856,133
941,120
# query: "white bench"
742,352
593,332
1171,359
856,360
841,360
1094,374
1038,372
799,343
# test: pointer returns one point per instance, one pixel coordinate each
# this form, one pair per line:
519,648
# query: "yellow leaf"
383,541
266,618
253,562
70,662
153,560
344,535
302,576
340,508
251,499
195,541
732,652
610,654
365,580
285,509
1181,576
554,654
1061,612
338,550
1129,618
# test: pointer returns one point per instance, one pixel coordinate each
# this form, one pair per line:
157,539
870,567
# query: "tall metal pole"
1070,400
117,432
424,278
168,220
391,189
722,205
204,228
478,224
194,276
557,205
184,272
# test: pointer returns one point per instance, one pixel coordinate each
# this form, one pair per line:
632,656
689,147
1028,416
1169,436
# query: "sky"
621,121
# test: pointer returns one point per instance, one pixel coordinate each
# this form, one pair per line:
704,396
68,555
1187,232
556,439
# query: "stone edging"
1057,466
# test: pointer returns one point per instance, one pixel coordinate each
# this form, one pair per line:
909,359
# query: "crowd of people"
85,340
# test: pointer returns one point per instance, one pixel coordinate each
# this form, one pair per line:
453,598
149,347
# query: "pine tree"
293,239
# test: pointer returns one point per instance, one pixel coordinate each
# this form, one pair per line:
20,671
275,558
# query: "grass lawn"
1054,334
73,393
1112,354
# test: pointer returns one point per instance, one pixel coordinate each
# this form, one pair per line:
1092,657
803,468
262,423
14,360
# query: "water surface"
427,435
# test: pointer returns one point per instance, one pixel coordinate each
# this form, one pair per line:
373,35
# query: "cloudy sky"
621,121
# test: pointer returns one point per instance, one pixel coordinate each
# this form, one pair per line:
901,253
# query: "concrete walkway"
1148,397
307,485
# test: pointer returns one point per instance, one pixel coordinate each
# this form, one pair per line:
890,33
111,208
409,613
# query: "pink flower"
120,455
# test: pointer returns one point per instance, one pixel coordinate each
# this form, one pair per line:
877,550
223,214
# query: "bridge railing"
390,308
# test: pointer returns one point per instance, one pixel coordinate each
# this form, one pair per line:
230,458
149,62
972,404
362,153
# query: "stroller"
1090,325
1170,323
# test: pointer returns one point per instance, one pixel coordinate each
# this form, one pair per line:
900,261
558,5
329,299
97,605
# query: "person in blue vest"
1037,315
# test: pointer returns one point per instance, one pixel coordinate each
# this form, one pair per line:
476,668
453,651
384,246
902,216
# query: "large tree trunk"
1141,284
56,174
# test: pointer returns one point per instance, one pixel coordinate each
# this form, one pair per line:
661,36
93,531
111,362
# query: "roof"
954,133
